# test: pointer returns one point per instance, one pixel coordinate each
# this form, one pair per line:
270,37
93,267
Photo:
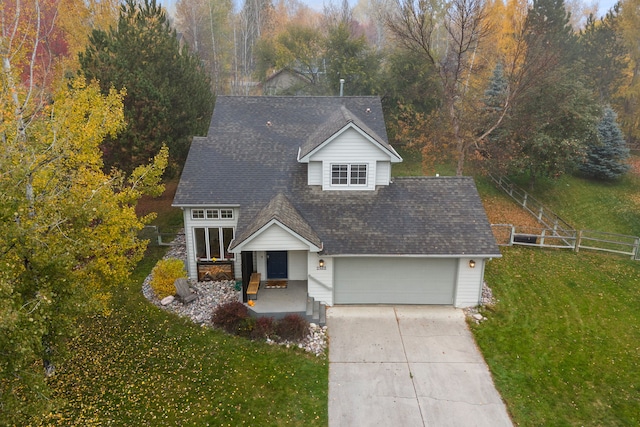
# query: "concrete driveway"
408,366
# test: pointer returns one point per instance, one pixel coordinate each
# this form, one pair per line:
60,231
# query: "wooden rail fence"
556,232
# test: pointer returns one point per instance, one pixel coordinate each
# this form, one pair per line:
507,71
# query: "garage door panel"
394,281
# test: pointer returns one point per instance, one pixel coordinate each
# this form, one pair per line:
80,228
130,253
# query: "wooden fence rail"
556,232
509,235
543,215
609,242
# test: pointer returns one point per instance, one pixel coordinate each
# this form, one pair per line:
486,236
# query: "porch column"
246,258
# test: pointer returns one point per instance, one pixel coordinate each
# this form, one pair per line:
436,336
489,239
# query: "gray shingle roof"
249,157
280,209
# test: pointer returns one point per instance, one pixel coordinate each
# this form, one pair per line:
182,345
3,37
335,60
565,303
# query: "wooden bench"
254,284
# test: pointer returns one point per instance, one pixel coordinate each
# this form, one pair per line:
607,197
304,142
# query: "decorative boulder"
167,300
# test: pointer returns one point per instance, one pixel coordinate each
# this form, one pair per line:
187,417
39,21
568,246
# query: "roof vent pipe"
341,86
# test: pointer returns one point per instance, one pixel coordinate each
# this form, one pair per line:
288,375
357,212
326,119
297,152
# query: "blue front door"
277,265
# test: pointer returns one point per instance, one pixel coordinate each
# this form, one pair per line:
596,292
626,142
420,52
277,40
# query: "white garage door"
394,280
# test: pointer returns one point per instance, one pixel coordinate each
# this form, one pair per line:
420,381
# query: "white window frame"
225,254
202,214
339,177
350,178
357,172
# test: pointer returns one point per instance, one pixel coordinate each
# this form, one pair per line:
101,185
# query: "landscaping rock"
487,299
167,300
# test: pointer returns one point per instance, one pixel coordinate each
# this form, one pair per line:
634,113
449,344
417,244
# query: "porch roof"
281,210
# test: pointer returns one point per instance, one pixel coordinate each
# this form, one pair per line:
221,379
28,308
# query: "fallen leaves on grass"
501,210
128,369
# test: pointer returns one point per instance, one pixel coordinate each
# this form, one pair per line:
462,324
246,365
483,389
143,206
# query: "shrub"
229,316
164,274
265,327
246,327
292,327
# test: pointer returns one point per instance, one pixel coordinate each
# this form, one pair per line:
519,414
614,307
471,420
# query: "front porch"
293,299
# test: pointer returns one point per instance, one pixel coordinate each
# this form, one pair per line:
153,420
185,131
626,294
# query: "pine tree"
555,116
607,160
168,96
605,57
496,93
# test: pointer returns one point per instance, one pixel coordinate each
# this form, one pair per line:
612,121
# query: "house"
285,81
300,189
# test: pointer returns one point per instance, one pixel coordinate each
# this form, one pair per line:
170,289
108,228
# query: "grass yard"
563,342
142,366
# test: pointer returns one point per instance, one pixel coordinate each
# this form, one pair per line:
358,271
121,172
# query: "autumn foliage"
164,275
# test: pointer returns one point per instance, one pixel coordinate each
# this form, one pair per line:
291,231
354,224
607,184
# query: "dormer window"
349,174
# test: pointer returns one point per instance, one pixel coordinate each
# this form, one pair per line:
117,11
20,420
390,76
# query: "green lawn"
563,342
142,366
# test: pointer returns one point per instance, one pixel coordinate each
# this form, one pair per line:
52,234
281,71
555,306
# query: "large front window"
349,174
213,242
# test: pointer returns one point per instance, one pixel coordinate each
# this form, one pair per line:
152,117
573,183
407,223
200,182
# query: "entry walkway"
408,366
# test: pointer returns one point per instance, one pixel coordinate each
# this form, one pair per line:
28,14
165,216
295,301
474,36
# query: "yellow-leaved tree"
68,230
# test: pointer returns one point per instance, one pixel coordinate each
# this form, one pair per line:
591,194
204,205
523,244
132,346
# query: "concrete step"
316,310
323,315
310,301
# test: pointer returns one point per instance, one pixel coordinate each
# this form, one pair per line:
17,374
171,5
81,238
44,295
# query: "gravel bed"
487,300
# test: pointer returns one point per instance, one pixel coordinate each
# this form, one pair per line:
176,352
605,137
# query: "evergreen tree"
352,59
554,116
496,149
496,93
604,54
607,160
168,96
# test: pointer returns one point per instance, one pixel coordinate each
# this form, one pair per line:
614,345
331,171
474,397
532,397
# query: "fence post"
636,246
542,237
513,232
540,213
524,201
578,240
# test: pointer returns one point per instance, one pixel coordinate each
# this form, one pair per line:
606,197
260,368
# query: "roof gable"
335,125
279,211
